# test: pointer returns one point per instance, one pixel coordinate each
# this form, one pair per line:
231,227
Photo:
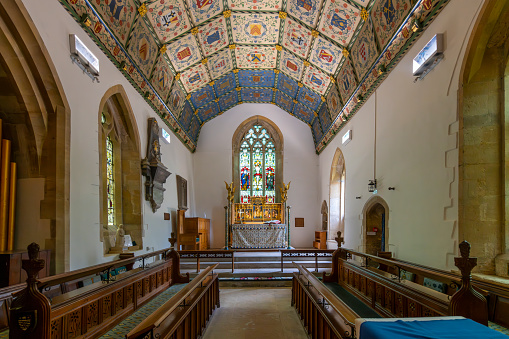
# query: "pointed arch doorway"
336,199
375,230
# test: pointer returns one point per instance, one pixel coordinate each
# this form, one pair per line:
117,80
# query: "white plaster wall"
84,97
416,150
213,165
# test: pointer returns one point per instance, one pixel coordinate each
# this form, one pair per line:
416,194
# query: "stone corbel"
153,169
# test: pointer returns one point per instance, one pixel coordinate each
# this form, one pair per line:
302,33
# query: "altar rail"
92,310
184,254
315,253
186,314
323,314
380,283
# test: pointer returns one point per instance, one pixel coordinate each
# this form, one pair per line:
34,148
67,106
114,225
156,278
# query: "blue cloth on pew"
432,329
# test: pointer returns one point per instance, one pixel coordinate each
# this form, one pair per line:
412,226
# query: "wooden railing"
93,309
323,314
380,284
186,314
308,253
220,254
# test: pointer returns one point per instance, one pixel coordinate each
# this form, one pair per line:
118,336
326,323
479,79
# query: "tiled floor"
255,313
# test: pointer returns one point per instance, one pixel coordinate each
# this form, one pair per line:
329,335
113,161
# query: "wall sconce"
391,188
372,186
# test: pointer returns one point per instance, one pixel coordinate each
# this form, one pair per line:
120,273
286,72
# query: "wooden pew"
392,296
92,310
322,313
186,314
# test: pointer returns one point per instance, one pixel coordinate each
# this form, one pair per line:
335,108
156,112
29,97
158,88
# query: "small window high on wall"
258,160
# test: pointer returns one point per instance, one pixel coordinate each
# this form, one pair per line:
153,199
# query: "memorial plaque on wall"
182,192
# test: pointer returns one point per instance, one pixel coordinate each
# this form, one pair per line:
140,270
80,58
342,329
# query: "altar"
258,236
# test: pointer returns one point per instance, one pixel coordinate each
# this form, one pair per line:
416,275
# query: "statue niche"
153,169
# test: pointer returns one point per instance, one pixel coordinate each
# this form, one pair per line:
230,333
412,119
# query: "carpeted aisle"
134,319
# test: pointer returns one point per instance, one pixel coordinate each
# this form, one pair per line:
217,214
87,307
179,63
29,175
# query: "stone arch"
120,124
276,134
483,209
36,118
375,205
337,187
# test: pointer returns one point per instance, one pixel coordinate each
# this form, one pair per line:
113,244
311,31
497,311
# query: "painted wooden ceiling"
194,59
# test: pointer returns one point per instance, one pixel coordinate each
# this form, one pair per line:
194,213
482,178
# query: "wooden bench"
323,314
92,310
186,314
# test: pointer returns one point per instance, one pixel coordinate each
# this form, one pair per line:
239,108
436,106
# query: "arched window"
120,183
258,160
337,197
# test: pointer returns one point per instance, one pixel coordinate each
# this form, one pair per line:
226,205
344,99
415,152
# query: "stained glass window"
110,181
257,162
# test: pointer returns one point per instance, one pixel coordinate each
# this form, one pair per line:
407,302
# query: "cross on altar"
339,239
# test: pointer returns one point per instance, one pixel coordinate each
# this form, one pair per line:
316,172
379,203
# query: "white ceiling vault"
192,60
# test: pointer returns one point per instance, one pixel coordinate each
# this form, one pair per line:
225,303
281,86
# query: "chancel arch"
375,226
257,147
120,169
337,188
483,209
36,118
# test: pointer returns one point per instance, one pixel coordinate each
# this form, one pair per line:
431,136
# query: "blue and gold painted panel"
265,5
254,28
284,101
306,11
303,113
186,116
333,101
176,100
309,98
324,116
184,52
219,64
202,96
228,100
194,129
297,38
287,85
316,80
202,10
119,14
256,94
256,78
162,78
364,51
339,20
168,18
317,131
325,55
291,65
346,81
209,111
225,84
142,47
387,15
213,36
255,56
195,77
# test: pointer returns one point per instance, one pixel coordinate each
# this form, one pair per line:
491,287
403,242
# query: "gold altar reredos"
257,211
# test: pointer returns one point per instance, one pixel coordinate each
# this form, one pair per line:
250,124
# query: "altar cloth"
258,236
424,328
